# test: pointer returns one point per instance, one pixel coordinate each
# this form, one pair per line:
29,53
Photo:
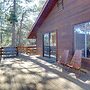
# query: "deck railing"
20,49
8,52
31,50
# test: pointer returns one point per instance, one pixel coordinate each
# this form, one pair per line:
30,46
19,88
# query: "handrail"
31,50
8,51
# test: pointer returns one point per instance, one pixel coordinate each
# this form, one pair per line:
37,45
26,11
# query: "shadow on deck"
32,73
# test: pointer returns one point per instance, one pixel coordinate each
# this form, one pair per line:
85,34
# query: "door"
53,44
46,47
49,45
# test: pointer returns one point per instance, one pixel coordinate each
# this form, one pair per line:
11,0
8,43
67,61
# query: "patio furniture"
64,58
76,61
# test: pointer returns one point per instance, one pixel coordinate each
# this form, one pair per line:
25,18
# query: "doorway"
49,45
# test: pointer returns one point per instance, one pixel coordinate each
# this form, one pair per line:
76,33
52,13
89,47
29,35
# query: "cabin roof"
47,8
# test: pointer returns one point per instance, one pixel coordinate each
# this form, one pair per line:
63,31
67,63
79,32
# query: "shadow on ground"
31,73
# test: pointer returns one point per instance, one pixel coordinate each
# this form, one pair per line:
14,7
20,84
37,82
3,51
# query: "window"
32,42
82,38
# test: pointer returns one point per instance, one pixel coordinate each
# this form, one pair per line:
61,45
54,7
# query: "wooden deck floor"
31,73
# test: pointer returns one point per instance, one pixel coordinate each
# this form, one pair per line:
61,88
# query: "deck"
33,73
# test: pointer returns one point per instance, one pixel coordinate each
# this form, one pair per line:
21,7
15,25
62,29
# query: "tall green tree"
20,19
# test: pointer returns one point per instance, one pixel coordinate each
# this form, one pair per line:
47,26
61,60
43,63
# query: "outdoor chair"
64,58
75,62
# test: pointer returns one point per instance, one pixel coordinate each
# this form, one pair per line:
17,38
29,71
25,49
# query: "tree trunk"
13,26
13,35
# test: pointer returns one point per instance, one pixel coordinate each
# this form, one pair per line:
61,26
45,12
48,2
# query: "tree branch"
7,9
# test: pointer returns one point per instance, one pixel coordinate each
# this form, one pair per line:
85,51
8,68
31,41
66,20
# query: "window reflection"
47,44
53,44
82,38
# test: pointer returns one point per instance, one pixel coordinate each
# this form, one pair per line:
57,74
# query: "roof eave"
49,5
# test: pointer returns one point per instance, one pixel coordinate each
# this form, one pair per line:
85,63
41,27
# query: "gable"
43,15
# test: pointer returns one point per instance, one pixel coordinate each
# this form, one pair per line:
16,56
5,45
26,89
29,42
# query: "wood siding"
63,21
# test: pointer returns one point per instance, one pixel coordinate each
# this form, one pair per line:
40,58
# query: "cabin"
63,24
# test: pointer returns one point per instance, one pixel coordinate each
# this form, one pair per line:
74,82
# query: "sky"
24,4
27,5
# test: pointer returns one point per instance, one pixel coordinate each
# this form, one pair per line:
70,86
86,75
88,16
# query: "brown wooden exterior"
63,21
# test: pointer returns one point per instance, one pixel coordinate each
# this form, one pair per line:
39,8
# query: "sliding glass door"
46,48
53,44
49,45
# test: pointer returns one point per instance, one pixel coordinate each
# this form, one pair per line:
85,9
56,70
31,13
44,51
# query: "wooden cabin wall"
63,21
